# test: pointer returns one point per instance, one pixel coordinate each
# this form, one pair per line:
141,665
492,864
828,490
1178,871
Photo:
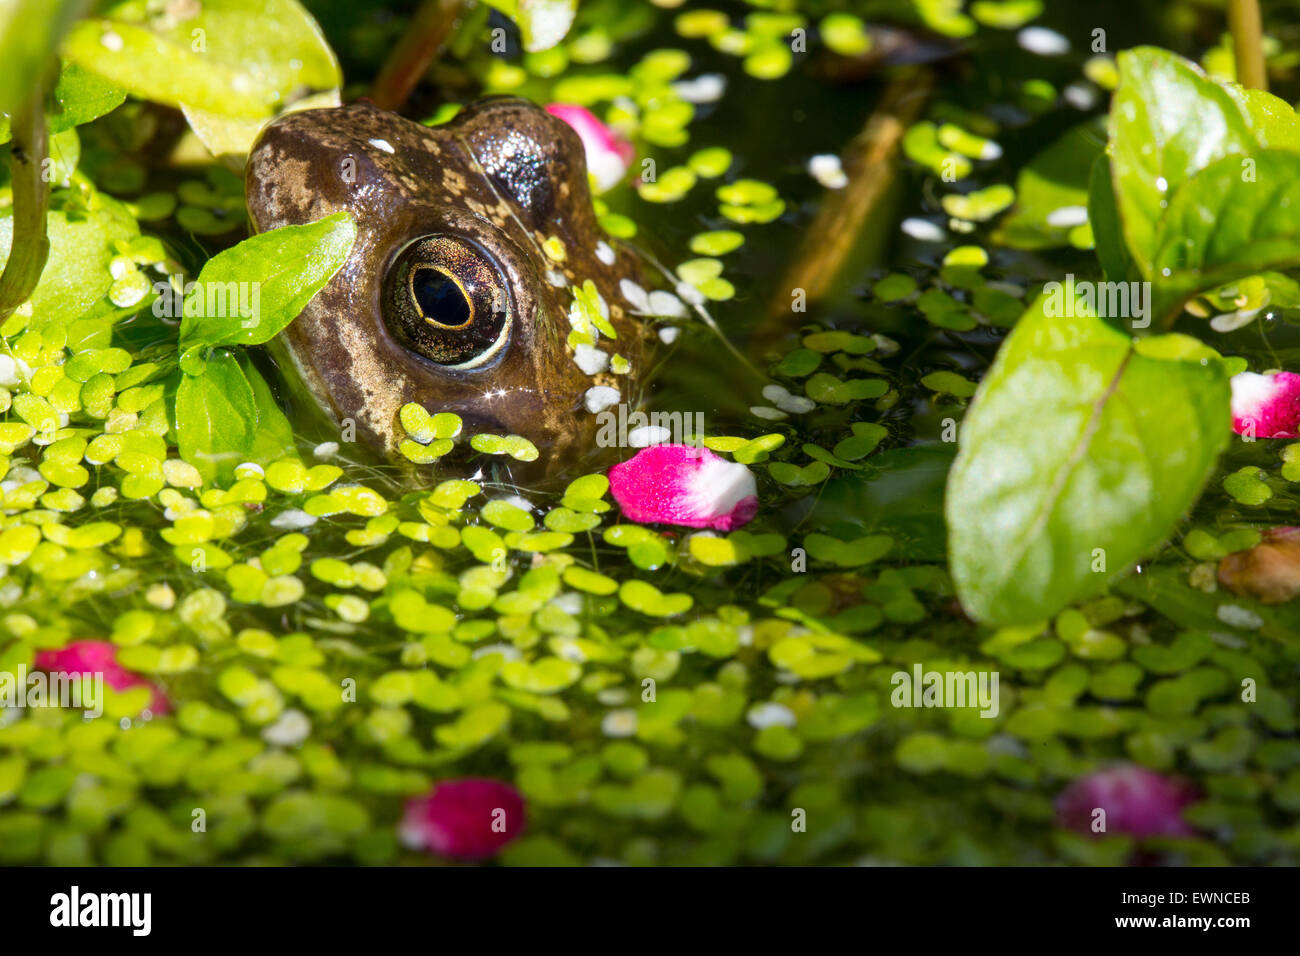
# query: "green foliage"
1081,447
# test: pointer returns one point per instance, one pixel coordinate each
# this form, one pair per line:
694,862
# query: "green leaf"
1238,217
76,275
29,32
216,417
1050,188
1080,452
241,58
272,277
1107,232
78,97
1271,119
543,23
1168,121
273,438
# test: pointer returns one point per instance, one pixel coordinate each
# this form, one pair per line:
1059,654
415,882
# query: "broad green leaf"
543,23
1079,454
246,294
78,97
1270,118
216,417
1168,121
1236,218
234,58
76,275
1052,191
1107,233
273,438
29,32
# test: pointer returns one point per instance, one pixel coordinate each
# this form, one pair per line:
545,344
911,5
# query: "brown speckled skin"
504,173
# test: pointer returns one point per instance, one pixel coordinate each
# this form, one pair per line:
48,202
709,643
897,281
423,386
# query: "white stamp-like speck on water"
605,252
590,359
383,144
600,397
1237,616
922,229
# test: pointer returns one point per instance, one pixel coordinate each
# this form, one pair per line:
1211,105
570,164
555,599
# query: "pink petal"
467,819
608,154
1266,406
1137,801
99,657
684,485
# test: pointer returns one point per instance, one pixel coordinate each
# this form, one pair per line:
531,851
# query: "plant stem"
31,194
424,38
1247,43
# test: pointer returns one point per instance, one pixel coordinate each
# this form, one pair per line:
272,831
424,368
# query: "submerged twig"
428,32
1248,43
30,247
869,165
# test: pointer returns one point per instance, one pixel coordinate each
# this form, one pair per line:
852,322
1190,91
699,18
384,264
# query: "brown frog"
474,241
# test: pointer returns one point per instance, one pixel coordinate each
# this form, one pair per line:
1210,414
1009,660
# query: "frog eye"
446,298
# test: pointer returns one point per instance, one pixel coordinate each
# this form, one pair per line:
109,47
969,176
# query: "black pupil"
439,298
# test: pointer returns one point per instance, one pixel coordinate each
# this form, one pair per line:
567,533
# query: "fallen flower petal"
608,154
468,819
684,485
1137,801
1266,406
99,657
1270,571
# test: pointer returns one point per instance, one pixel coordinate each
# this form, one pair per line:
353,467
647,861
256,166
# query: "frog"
477,244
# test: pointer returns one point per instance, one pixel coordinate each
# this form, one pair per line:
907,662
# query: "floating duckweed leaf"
1248,487
980,205
548,675
799,363
813,656
921,145
483,543
474,727
714,551
507,516
453,493
848,554
671,185
825,342
649,600
516,446
894,287
569,521
590,581
950,383
422,427
797,477
827,389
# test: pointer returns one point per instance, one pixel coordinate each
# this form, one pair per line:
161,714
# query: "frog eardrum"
445,298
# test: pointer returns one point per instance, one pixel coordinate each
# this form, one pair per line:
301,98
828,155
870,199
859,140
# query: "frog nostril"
441,299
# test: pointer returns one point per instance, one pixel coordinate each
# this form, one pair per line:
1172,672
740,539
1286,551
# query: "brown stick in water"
871,167
429,30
